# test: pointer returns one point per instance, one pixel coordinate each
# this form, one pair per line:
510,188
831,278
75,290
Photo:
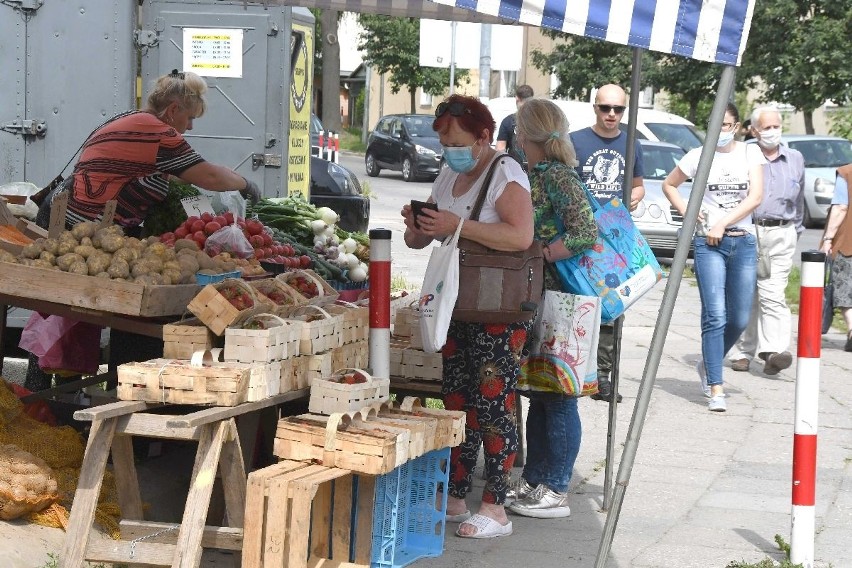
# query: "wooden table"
151,543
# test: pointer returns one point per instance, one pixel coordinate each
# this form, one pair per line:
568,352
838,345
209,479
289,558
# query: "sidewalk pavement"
706,488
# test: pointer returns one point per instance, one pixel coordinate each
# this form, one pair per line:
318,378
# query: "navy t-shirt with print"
601,162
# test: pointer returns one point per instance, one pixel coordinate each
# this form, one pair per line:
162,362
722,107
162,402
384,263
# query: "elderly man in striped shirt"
778,220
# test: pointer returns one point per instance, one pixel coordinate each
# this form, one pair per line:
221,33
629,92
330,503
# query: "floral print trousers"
481,366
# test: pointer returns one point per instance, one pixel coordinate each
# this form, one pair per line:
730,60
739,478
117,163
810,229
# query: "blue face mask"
460,159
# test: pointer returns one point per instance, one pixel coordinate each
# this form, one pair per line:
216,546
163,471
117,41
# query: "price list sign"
213,52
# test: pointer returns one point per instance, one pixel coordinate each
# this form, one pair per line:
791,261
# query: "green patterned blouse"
557,192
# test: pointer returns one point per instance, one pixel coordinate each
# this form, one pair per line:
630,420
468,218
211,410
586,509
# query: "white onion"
328,215
349,245
329,231
352,260
358,274
318,226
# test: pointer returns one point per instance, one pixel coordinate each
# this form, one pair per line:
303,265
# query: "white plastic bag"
29,209
439,292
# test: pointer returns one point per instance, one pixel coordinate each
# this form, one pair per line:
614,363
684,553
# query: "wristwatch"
827,238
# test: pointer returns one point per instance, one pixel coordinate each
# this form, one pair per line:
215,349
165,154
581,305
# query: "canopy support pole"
628,457
618,324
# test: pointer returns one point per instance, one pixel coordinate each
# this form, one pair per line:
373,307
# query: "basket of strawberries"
310,285
347,390
281,294
227,303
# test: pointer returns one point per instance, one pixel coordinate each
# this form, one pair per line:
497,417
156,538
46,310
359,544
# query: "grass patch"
768,563
350,140
794,284
400,283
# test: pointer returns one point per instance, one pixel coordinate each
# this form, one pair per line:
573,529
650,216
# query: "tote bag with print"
439,292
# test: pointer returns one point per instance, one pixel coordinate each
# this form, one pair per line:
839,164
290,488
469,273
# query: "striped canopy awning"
707,30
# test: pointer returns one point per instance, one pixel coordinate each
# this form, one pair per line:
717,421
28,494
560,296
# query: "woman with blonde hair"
564,222
132,157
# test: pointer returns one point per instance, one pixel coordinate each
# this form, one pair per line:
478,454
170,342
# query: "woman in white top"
725,246
481,361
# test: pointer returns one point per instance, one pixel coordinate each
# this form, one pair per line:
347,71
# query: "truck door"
243,52
67,67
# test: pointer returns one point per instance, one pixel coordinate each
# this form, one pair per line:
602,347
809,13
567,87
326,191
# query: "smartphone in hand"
418,206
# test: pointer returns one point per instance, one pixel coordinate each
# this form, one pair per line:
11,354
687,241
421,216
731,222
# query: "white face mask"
770,139
725,138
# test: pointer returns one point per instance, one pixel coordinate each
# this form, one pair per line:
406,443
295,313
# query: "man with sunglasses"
601,151
507,135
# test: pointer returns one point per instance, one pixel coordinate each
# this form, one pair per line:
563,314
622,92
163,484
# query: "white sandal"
486,527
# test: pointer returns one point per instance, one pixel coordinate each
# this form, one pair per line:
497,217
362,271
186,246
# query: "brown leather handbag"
497,286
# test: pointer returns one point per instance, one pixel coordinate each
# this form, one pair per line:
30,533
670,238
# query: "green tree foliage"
802,49
392,46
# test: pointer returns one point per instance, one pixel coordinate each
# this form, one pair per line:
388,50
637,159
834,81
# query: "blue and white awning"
708,30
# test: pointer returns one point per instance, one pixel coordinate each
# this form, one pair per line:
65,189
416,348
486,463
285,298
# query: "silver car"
823,155
655,218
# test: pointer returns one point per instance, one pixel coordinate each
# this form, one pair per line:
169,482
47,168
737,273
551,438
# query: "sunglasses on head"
177,74
455,109
606,109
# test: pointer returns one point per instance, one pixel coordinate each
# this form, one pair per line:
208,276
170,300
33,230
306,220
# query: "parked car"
655,218
337,187
823,155
406,143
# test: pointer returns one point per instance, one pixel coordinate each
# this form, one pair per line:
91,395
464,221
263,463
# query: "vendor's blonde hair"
540,121
186,89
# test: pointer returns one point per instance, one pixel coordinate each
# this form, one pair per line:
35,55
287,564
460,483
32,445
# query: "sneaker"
777,362
519,490
740,364
542,503
702,376
717,404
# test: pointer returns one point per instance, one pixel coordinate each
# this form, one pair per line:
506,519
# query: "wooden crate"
355,321
397,345
306,368
327,294
100,294
218,313
340,441
351,355
299,515
182,339
320,329
407,319
197,381
451,423
284,297
328,395
280,340
417,364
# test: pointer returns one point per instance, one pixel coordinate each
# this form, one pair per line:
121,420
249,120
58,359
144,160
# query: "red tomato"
206,217
259,253
267,239
256,241
220,219
212,227
197,226
167,237
254,227
241,223
229,217
190,220
181,232
305,261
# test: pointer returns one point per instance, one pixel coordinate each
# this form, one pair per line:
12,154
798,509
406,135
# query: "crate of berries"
263,338
279,293
310,285
347,390
227,303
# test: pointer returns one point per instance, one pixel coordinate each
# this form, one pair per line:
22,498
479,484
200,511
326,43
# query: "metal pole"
485,62
453,57
368,98
726,85
807,409
380,278
618,324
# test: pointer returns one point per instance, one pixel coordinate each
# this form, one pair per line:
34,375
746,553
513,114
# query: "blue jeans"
726,275
553,441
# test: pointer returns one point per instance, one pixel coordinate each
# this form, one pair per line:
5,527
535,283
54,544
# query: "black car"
406,143
337,187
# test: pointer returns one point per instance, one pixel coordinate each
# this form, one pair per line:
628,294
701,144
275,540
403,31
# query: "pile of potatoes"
26,483
108,253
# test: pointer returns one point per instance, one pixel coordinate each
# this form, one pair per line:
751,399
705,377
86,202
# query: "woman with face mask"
481,361
725,246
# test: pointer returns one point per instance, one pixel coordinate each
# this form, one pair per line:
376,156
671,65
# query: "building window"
425,99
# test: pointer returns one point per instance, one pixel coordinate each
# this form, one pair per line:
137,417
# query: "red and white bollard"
320,144
380,280
336,148
807,409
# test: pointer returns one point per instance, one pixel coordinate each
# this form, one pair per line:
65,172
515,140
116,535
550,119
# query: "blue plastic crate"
213,278
408,524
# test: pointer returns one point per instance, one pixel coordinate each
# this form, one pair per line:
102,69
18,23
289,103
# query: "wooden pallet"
290,505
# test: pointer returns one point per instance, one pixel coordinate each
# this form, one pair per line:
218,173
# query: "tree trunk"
331,115
412,92
809,121
693,112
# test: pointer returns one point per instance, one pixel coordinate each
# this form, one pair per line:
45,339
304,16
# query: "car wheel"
407,170
370,165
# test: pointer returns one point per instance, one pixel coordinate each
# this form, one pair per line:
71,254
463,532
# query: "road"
391,192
